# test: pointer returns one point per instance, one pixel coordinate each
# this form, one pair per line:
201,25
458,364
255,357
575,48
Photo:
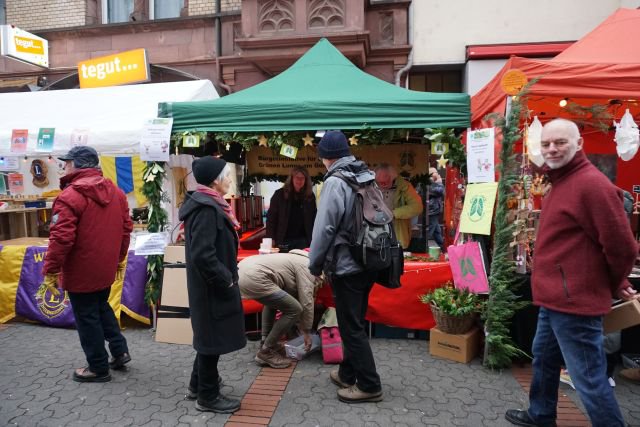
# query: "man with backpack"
357,377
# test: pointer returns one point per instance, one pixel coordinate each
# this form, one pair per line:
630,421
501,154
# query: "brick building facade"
247,42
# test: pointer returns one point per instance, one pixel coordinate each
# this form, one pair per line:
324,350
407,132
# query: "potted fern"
454,310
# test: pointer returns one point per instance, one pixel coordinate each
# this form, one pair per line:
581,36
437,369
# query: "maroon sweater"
584,249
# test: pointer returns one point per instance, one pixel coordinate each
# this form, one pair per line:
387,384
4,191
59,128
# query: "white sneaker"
612,382
565,378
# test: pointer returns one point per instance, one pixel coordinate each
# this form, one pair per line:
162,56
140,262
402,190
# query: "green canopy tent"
322,90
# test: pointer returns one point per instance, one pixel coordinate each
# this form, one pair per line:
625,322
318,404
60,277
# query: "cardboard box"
622,316
174,254
174,323
459,348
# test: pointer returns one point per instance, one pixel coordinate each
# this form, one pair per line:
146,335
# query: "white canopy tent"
113,117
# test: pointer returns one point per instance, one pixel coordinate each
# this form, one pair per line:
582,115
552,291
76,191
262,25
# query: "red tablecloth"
398,307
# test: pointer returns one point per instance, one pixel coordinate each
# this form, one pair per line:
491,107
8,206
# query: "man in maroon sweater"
584,252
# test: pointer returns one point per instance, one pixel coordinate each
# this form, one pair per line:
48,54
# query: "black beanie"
207,169
333,145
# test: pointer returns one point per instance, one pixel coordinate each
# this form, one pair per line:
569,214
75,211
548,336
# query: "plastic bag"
627,137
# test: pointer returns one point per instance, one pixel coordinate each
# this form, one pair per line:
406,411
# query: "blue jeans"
579,339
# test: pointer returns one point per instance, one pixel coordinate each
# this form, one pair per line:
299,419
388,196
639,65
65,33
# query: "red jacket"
584,249
90,230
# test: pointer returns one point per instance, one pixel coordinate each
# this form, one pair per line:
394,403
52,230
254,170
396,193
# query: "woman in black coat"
292,212
212,281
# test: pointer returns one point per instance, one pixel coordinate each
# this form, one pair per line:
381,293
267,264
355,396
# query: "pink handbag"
330,337
467,266
331,345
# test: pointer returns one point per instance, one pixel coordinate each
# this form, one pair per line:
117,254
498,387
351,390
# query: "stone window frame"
143,10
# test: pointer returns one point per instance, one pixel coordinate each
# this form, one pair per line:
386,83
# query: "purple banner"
34,301
133,289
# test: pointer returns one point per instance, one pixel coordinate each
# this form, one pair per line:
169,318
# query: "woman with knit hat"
211,249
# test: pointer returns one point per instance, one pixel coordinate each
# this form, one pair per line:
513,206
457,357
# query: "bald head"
560,142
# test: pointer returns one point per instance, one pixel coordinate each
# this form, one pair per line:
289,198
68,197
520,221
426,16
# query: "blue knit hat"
333,145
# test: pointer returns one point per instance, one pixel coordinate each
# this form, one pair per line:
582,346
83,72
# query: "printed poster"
16,183
480,155
45,139
19,139
477,212
79,137
151,244
191,141
439,147
9,163
154,143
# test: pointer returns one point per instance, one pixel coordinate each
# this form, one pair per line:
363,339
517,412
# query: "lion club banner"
22,294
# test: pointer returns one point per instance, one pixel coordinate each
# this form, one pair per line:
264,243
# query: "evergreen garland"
153,177
502,302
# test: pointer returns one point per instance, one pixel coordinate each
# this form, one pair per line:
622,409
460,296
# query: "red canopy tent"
601,68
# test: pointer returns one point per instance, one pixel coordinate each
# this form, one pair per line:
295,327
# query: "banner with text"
408,159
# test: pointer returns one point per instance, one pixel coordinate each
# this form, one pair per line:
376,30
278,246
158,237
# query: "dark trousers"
96,323
351,294
204,376
435,232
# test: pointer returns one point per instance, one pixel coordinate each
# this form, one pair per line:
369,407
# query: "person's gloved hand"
51,282
122,266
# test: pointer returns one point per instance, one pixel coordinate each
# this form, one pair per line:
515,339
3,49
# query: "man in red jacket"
88,243
584,252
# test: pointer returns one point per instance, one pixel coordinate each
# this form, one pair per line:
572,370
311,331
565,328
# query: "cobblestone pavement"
36,387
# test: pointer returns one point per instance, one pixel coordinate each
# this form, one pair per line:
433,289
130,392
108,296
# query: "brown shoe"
354,395
631,374
334,376
269,357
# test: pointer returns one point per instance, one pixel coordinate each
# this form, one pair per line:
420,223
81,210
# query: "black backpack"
373,242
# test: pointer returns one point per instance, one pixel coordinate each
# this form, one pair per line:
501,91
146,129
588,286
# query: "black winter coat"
211,256
278,217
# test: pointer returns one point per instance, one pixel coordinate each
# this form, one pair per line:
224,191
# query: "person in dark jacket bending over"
292,211
357,377
584,252
86,258
211,250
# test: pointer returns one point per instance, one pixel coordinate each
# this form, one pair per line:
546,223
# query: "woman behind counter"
292,212
211,248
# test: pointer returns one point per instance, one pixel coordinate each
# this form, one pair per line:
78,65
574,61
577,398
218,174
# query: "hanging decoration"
503,302
353,140
627,137
39,170
308,140
442,162
262,141
534,141
154,175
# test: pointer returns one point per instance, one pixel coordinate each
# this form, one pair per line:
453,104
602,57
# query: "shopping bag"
330,337
467,266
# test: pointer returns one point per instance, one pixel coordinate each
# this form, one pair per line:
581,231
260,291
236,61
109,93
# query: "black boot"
522,418
220,405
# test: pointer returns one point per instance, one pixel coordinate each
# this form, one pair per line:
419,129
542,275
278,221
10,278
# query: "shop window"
116,11
163,9
3,12
436,81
